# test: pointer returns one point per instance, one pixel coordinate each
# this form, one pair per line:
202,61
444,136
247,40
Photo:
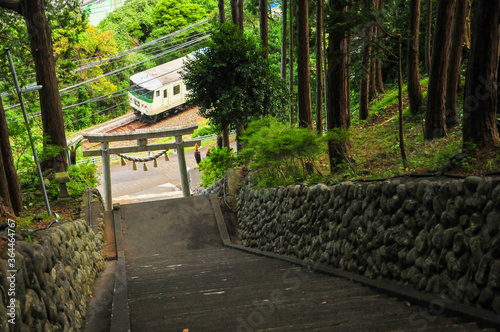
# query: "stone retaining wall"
439,236
216,188
54,278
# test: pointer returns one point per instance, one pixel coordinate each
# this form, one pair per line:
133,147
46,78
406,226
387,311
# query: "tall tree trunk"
237,16
414,90
467,32
453,74
319,66
428,39
12,179
325,62
402,147
481,87
364,110
240,14
435,121
292,110
379,79
225,136
264,42
4,188
234,12
372,85
39,34
337,78
4,185
283,38
222,14
304,98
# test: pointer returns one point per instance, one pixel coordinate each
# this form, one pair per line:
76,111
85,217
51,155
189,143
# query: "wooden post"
106,172
142,142
182,166
141,136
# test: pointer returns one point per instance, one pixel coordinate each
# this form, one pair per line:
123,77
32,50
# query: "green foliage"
208,5
172,15
440,158
21,147
48,152
64,17
132,24
82,176
231,81
205,129
76,146
215,165
281,154
141,21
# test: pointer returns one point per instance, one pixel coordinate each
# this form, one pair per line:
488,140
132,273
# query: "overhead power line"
138,63
186,44
153,43
88,116
155,49
152,50
136,87
137,48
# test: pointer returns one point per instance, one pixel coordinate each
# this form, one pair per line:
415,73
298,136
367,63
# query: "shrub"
82,176
280,154
215,165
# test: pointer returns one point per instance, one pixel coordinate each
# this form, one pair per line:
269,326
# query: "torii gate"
141,136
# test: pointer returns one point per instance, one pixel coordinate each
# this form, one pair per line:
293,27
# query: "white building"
100,9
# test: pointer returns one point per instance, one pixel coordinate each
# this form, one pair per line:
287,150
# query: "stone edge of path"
483,317
120,319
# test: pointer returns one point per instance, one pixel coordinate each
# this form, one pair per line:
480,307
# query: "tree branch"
14,5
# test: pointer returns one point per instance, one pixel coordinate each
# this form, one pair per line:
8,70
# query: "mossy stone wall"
54,278
441,236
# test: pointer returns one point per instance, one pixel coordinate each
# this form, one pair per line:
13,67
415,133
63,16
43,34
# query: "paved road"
181,278
128,186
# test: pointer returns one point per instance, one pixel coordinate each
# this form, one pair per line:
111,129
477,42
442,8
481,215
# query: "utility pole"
33,148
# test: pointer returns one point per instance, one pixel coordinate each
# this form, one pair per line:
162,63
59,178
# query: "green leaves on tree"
231,81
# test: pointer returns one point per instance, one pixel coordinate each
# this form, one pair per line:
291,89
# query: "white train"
158,92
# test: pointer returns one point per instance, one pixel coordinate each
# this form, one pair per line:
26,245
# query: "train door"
165,97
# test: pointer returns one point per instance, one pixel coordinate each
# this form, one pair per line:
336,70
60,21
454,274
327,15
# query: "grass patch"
375,144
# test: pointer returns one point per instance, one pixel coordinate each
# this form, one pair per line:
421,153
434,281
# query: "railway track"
130,123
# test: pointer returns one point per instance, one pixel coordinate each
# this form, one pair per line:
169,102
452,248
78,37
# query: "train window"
164,93
144,93
157,93
177,89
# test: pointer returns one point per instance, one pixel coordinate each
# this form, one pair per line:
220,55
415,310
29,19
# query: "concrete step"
181,278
